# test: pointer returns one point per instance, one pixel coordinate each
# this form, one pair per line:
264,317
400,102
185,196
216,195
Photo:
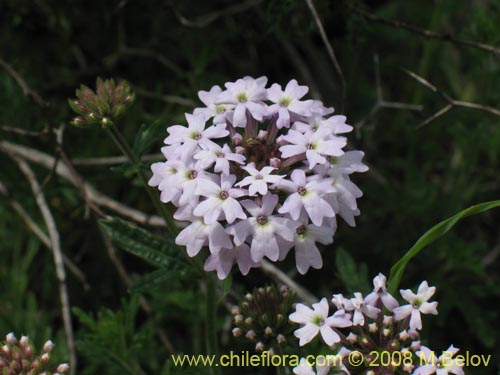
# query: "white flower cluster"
360,327
259,171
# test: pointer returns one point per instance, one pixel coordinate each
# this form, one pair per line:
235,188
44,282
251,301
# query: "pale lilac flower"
380,293
263,227
316,320
305,368
193,136
247,94
360,308
213,110
339,301
335,124
442,365
307,195
349,162
258,180
221,198
306,252
221,156
315,145
418,304
198,234
287,103
222,261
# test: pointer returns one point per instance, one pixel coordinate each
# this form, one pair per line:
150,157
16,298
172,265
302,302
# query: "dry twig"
207,19
22,84
37,231
446,37
94,196
381,102
452,103
57,255
329,48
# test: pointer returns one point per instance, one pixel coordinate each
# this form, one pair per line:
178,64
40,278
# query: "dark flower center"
262,220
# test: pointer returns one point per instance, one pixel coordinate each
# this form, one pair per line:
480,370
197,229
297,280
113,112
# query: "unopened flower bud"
373,328
280,339
251,335
408,368
48,346
352,338
249,321
6,350
415,345
262,135
62,368
386,332
235,310
413,334
237,332
239,319
275,162
259,346
24,341
388,320
240,150
45,358
237,139
268,331
11,339
249,297
404,336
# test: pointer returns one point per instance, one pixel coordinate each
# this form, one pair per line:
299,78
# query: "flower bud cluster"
369,326
18,357
102,107
259,171
262,317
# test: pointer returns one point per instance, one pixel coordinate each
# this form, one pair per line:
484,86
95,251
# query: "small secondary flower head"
262,317
102,106
259,171
19,358
374,324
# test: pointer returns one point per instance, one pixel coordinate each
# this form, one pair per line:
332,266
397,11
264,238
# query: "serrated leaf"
355,277
139,242
432,235
152,280
147,136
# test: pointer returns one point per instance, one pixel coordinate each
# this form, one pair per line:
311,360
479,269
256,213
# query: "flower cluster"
259,171
367,327
19,358
262,317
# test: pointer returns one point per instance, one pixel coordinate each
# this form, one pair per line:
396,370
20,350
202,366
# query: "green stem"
122,144
210,324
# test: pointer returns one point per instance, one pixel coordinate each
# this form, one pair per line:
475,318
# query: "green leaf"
147,136
140,242
432,235
355,277
153,280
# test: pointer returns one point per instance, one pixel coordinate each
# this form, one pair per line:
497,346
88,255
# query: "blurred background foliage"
168,50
